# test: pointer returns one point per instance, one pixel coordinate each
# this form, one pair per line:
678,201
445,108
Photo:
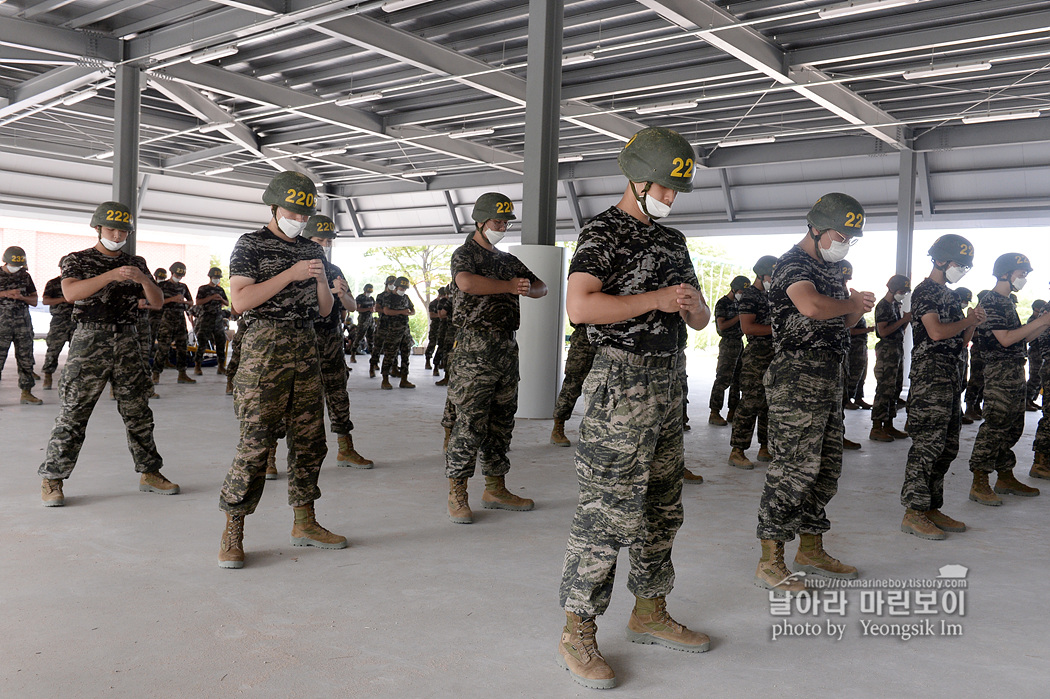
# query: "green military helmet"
739,283
963,294
320,226
14,255
1038,305
177,268
1006,264
402,283
113,214
160,274
952,248
493,205
898,283
368,288
214,272
659,155
764,266
839,212
292,191
846,269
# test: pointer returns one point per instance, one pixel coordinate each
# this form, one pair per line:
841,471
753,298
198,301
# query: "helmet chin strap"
640,198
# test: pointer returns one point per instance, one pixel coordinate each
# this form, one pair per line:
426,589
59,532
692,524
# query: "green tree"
427,268
714,273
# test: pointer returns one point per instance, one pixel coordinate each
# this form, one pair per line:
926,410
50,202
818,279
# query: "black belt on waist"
291,323
108,327
620,355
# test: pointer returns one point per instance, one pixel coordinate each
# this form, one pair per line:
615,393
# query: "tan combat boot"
888,428
690,477
47,381
1040,466
155,482
730,415
458,509
443,381
221,370
437,372
231,547
405,383
772,574
944,522
763,454
813,559
918,524
558,437
878,432
428,366
156,378
28,398
497,497
737,459
307,532
197,371
271,465
51,492
1007,484
651,624
371,372
386,384
229,385
849,444
716,419
448,434
578,653
981,492
348,456
185,378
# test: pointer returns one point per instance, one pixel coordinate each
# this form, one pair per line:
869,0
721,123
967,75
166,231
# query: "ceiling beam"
44,7
57,41
110,9
49,86
197,156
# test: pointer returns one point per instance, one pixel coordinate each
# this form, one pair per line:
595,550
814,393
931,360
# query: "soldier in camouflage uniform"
278,282
753,308
62,325
577,365
975,384
1041,444
382,332
17,294
365,323
210,300
810,309
483,373
940,331
730,351
173,325
398,336
1004,389
964,296
334,372
891,322
437,321
632,282
856,360
1035,360
235,353
846,272
105,285
446,341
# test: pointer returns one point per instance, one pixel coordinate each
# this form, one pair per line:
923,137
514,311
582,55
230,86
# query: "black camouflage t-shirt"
332,273
890,312
1002,315
261,255
212,308
727,308
19,280
630,257
380,304
861,340
793,331
755,301
53,290
498,312
365,303
931,297
397,302
116,302
172,289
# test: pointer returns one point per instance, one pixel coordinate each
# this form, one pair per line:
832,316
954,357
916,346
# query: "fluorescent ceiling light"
856,7
80,97
219,171
395,5
571,158
467,133
104,156
419,173
573,59
213,54
357,99
1000,116
666,107
748,141
208,128
328,151
946,69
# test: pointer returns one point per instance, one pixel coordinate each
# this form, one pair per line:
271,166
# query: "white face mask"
111,245
291,228
216,280
656,208
738,296
401,292
836,252
390,287
13,268
1018,284
954,274
899,298
494,236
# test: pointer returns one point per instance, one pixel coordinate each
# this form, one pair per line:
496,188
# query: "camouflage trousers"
397,345
805,436
366,328
975,384
1041,444
856,370
753,405
276,392
483,392
889,379
1035,373
101,354
235,351
380,340
629,463
16,329
934,421
211,332
142,325
334,375
172,329
446,339
60,332
727,374
433,337
1004,395
577,365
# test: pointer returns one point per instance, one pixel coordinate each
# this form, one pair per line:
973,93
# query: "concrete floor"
117,594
